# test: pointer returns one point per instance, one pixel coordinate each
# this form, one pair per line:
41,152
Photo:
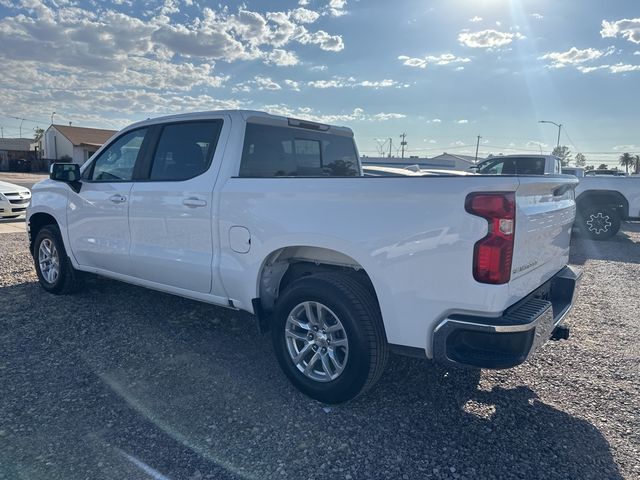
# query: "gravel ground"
119,382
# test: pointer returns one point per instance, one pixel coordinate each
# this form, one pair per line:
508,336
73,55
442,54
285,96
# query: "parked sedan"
14,200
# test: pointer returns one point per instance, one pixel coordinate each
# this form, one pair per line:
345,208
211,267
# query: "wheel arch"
36,222
608,197
286,264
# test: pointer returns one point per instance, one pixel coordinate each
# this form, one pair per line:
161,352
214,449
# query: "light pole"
52,114
559,125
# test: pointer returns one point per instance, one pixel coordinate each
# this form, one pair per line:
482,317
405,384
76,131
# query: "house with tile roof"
76,143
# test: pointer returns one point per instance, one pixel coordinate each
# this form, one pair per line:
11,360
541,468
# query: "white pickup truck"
603,201
273,216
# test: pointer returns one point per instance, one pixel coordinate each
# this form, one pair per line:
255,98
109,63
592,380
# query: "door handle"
193,202
117,198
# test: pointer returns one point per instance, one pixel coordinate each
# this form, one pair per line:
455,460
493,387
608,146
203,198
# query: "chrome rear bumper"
508,340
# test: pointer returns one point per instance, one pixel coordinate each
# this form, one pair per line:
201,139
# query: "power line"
570,140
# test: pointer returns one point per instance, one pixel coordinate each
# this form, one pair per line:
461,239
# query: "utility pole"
2,131
477,147
52,115
390,145
403,143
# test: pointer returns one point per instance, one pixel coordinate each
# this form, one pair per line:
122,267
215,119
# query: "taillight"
492,255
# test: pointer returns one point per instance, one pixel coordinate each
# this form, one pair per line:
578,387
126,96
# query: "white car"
273,216
14,200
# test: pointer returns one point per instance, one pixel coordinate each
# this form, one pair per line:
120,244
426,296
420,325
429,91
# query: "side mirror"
66,172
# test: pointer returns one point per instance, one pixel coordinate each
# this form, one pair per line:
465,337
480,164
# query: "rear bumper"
508,340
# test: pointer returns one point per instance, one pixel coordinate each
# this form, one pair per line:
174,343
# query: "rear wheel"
328,337
54,269
599,222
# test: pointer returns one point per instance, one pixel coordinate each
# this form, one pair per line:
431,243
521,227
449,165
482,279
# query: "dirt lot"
118,382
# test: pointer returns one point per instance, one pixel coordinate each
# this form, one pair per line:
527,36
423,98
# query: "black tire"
599,222
358,311
66,281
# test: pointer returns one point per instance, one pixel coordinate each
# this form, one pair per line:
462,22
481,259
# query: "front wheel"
54,269
328,337
599,222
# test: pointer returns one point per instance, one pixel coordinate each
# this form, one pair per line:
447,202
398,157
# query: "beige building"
76,143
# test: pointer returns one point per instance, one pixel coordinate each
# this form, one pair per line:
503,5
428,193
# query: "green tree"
563,153
38,132
603,166
581,160
627,160
637,162
589,167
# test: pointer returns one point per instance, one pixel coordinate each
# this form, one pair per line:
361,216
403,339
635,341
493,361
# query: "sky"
441,71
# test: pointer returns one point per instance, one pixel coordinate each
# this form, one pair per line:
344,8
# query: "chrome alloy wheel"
316,341
599,223
49,261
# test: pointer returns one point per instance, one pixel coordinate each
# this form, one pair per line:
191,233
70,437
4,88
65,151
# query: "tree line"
626,160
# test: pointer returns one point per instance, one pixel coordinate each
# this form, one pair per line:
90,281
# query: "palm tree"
637,162
627,160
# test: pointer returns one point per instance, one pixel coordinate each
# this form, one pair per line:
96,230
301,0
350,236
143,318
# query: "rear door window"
271,151
185,150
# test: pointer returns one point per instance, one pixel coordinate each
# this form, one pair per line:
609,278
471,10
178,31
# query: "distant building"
12,150
459,162
444,161
76,143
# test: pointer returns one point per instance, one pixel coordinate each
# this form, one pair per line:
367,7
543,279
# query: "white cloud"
259,83
388,116
422,62
378,84
72,36
475,19
326,84
292,84
626,28
487,38
336,7
583,69
330,43
282,58
318,68
303,2
623,68
462,122
575,56
357,114
351,82
434,120
626,148
303,15
637,52
537,16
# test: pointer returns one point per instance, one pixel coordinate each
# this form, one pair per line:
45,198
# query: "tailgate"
545,210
